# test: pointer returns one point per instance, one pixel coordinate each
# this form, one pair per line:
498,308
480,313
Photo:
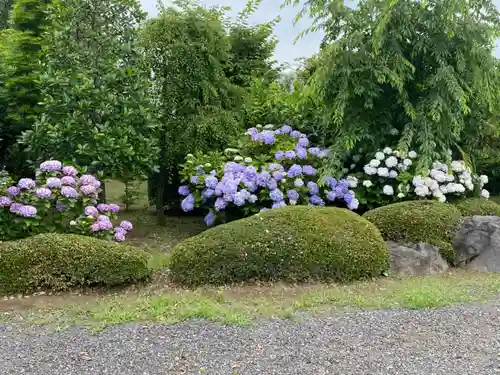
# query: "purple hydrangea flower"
103,207
220,204
314,151
295,134
301,153
13,191
298,182
69,192
294,171
69,171
313,187
303,142
279,204
120,230
187,203
88,179
279,155
184,190
105,224
317,201
61,207
95,227
272,184
267,136
114,208
127,225
26,183
210,219
103,218
43,193
293,195
91,211
309,170
15,207
278,176
88,189
331,196
27,211
68,180
348,198
211,182
51,166
54,183
119,237
5,201
276,195
289,155
285,129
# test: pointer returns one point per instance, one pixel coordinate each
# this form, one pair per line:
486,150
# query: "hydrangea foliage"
270,168
57,200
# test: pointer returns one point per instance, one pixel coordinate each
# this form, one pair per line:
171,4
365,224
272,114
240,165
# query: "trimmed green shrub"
478,206
418,221
61,261
293,243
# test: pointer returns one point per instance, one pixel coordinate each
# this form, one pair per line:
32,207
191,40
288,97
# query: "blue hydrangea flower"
13,191
295,134
278,176
264,209
294,171
230,187
331,196
285,129
51,166
303,142
239,199
313,187
250,172
353,205
43,193
267,136
348,198
210,219
213,173
228,197
293,195
298,182
309,170
5,201
279,204
289,155
252,198
317,201
187,203
211,182
69,192
276,195
330,182
55,183
301,152
220,204
250,185
275,167
184,190
263,178
279,155
26,183
195,180
272,184
208,193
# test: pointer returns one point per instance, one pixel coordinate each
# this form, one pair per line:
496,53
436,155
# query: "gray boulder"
418,260
477,243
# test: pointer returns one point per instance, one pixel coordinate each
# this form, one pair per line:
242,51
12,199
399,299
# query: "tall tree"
5,7
97,101
420,70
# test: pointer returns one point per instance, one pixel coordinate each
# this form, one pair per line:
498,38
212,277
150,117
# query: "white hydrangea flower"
292,203
394,131
422,190
442,198
387,150
72,223
412,154
431,183
370,170
458,166
484,179
383,172
353,181
393,174
485,194
388,190
374,163
401,167
356,158
248,160
352,166
417,181
269,126
407,162
469,185
380,156
396,153
367,183
238,158
443,189
345,170
438,175
391,161
450,178
401,195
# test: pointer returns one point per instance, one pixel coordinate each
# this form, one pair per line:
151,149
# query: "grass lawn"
161,301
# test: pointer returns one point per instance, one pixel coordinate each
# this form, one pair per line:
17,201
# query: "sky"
286,31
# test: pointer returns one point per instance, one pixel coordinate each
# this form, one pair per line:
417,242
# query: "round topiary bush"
478,206
61,261
418,221
293,243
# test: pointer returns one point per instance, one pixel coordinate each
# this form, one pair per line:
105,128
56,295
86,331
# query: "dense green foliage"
55,261
478,206
292,244
418,221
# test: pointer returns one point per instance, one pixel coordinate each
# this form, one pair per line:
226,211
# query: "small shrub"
58,261
478,206
418,221
290,244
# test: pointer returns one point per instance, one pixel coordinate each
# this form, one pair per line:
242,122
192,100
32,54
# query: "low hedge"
294,243
61,261
418,221
478,206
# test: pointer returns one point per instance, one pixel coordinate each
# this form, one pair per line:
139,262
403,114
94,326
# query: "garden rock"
477,243
419,260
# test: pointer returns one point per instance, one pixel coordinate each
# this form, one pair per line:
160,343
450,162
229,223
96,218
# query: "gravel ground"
458,340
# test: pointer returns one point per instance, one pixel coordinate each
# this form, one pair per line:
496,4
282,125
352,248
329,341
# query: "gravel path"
458,340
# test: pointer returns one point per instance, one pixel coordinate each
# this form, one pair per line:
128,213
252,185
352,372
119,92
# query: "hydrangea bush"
269,168
58,200
391,176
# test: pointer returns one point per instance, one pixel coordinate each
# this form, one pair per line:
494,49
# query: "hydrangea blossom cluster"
391,175
58,200
288,176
